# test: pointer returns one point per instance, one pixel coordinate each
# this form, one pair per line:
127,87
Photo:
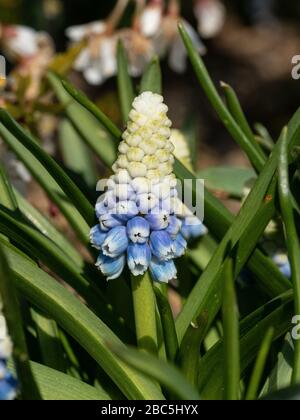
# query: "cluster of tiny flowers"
142,222
8,384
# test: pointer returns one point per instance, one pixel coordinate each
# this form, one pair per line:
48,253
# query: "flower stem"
144,312
117,13
11,310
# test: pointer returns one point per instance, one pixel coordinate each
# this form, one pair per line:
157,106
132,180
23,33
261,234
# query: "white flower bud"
149,147
134,140
141,185
122,177
122,162
123,147
135,154
137,169
152,162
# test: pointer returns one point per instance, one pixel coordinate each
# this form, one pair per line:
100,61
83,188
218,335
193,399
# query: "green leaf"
231,345
240,240
49,341
125,87
281,374
264,138
48,184
152,78
48,229
52,256
288,394
231,180
166,374
276,313
168,325
252,150
57,386
76,155
236,111
190,348
260,365
67,185
7,195
12,313
81,98
78,321
89,129
292,240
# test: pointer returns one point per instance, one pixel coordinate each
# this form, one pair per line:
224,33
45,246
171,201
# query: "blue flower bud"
192,228
163,271
125,210
179,246
158,219
174,227
116,242
138,258
162,245
97,237
138,230
146,202
105,203
108,221
111,267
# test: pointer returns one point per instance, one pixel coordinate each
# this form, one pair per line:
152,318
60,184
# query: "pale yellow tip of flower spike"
146,149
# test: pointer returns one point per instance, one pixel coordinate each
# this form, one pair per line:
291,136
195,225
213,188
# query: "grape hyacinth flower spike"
140,221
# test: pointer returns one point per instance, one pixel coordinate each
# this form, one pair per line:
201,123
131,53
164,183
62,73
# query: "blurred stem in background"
117,14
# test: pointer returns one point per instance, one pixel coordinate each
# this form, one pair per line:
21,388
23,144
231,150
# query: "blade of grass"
52,348
258,370
78,321
277,314
252,150
189,353
240,239
292,240
288,394
82,99
49,341
264,138
231,345
53,257
67,185
48,184
166,374
281,375
93,133
48,229
125,87
76,156
236,111
7,195
168,325
57,386
152,78
11,310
